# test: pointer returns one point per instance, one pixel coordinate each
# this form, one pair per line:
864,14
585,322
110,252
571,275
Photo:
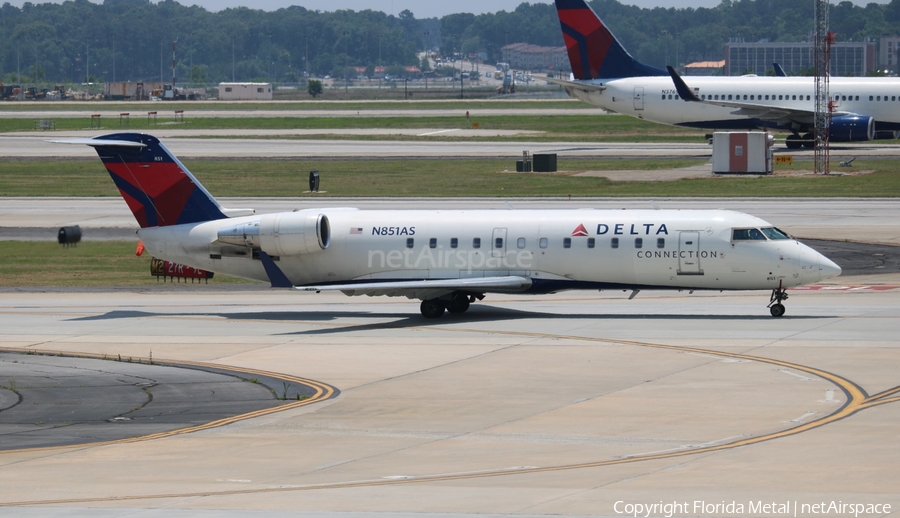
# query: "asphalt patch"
859,258
62,400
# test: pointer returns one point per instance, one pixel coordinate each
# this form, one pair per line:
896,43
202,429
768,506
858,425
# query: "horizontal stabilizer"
577,85
99,142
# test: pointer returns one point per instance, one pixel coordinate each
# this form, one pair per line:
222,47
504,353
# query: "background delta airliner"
449,259
605,75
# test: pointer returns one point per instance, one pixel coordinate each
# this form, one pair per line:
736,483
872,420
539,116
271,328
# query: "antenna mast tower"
824,105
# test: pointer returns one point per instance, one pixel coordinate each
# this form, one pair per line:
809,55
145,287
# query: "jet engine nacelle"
282,234
851,128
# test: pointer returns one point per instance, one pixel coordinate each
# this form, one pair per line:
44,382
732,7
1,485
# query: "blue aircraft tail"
594,52
157,187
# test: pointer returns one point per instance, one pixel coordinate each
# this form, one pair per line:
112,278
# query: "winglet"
683,91
276,277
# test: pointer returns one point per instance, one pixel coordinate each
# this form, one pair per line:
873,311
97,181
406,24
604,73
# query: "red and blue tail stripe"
594,52
158,188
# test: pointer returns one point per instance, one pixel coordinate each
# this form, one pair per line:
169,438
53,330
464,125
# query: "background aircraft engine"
283,234
852,128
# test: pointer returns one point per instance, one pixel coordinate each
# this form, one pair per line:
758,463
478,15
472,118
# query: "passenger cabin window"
432,243
567,242
498,243
520,243
639,242
476,243
660,242
544,242
591,242
410,242
454,242
614,242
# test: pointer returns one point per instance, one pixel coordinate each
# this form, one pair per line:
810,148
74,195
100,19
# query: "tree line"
120,40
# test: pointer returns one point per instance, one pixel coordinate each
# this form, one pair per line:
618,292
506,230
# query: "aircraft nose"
827,268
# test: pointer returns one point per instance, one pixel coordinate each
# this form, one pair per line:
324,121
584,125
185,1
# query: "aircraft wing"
577,85
749,109
428,289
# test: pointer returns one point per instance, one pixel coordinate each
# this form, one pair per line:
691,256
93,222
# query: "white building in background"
245,91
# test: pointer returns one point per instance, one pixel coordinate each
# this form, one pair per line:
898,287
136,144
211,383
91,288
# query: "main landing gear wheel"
793,141
459,304
433,308
776,308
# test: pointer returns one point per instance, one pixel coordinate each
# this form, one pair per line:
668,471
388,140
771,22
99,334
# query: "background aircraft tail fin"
158,188
594,52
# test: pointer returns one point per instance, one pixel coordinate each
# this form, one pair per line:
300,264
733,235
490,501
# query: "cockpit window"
747,234
774,233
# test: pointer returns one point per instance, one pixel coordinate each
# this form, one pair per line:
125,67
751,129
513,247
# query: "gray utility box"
742,152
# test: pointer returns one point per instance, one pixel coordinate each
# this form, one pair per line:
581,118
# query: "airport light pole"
232,59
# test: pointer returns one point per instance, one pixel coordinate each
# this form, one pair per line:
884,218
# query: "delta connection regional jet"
605,75
450,259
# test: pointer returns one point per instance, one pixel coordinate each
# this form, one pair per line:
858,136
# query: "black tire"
793,142
777,310
433,308
809,141
459,304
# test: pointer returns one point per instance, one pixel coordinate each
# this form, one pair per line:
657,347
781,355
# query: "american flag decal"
356,230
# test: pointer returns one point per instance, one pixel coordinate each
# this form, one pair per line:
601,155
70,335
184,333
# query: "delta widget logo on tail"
580,231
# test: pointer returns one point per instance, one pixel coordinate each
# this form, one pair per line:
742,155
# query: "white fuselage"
556,249
655,99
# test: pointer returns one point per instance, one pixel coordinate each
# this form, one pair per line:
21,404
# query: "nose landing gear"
776,308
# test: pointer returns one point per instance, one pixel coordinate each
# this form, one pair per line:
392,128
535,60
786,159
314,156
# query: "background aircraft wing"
428,289
750,109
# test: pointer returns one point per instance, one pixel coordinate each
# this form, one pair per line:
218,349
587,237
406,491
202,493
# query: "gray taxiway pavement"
267,144
555,405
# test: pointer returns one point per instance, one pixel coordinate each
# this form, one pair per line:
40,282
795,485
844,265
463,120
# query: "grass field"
91,263
358,178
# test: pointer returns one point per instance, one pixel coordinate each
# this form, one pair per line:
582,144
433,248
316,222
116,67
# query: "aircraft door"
689,253
638,97
498,242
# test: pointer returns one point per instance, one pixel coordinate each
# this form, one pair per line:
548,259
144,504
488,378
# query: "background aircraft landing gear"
794,141
776,308
433,308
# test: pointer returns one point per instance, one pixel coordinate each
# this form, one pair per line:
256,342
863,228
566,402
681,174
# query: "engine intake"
282,234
